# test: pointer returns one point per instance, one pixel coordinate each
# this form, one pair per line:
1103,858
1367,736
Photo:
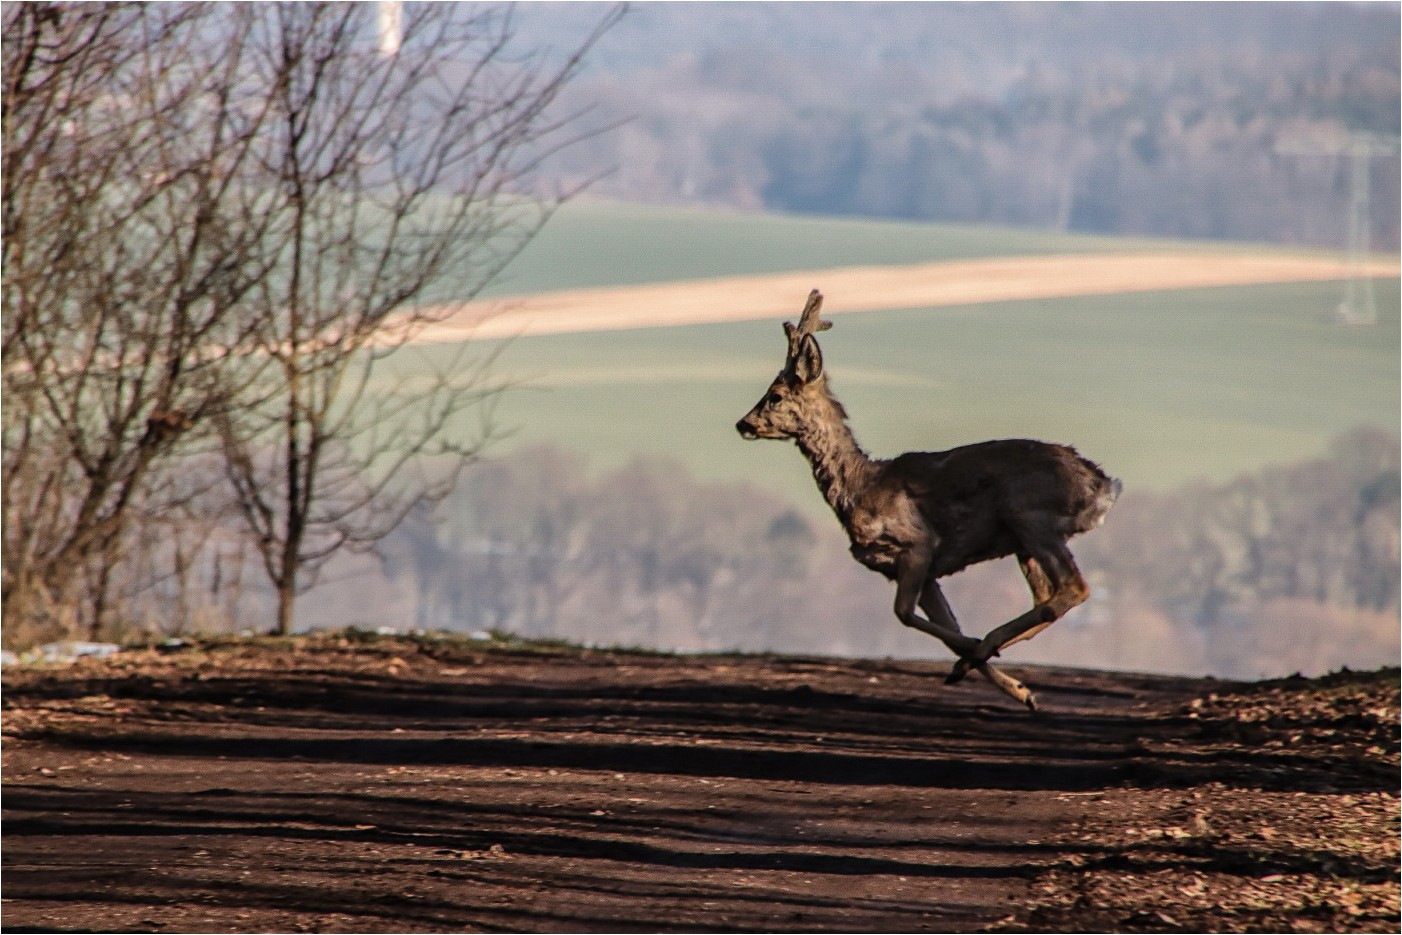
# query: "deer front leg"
1057,586
912,576
911,573
937,609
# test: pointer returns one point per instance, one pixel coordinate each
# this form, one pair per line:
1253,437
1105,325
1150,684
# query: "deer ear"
808,365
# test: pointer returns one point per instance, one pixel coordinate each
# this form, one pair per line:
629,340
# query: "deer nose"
746,428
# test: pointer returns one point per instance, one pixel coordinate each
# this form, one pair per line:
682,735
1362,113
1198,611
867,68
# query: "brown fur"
925,515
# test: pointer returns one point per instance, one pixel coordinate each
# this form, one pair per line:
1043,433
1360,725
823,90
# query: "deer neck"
840,466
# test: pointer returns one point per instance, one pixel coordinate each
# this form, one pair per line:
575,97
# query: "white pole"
391,27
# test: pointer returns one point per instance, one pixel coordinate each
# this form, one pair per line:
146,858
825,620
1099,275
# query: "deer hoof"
963,664
1031,702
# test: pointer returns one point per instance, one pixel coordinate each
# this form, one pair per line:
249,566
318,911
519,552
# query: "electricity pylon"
1358,306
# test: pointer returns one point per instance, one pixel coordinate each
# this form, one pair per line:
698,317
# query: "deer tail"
1107,498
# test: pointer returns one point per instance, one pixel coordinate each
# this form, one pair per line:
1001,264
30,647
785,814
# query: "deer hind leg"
1057,586
1041,587
916,585
937,609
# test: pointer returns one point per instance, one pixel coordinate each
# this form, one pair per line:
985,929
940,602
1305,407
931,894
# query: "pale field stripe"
733,372
872,288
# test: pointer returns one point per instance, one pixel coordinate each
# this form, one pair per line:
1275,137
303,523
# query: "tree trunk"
286,593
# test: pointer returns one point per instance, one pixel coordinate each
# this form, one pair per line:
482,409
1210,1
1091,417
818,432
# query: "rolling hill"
1162,386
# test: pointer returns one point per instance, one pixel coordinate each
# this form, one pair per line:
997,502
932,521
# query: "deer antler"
808,323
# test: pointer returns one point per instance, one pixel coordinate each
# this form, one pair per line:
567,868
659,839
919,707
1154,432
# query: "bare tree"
217,219
391,180
124,132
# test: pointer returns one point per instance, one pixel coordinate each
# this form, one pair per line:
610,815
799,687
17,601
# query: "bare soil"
875,288
350,783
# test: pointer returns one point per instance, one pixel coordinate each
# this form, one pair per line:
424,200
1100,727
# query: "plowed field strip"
873,288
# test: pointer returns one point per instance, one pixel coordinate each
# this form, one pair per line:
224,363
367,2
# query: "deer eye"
773,399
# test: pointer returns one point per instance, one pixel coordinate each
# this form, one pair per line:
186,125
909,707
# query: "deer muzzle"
747,429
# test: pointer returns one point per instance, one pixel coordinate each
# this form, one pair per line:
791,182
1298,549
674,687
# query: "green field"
594,244
1162,388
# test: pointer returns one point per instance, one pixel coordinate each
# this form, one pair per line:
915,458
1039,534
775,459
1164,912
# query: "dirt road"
872,288
348,783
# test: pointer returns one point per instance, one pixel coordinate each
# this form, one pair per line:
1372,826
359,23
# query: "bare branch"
391,183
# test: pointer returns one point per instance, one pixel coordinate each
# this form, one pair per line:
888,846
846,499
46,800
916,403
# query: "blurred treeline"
1221,120
1291,568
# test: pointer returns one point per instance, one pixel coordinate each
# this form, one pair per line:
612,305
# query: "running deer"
924,515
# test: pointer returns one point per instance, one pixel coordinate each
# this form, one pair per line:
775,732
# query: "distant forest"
1222,120
1293,567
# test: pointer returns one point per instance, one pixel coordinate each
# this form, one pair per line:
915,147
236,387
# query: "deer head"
791,400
